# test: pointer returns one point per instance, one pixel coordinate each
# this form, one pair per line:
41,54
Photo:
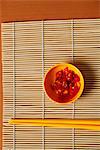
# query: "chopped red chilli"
66,84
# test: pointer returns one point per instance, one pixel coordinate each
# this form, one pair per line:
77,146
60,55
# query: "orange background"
21,10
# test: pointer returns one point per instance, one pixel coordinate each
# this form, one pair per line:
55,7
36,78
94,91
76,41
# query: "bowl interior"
50,78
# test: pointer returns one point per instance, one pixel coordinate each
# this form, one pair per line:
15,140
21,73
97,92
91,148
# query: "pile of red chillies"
66,84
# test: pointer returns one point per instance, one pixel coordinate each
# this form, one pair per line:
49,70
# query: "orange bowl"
51,76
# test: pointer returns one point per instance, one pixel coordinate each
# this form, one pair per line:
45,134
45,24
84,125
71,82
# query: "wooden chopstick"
59,123
68,121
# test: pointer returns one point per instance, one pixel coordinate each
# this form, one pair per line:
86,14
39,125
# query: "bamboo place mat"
29,49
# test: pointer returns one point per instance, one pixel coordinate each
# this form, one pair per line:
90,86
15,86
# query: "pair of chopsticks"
59,123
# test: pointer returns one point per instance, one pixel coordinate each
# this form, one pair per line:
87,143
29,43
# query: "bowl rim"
77,96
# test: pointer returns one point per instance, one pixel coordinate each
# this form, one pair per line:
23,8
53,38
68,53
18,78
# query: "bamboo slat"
57,41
